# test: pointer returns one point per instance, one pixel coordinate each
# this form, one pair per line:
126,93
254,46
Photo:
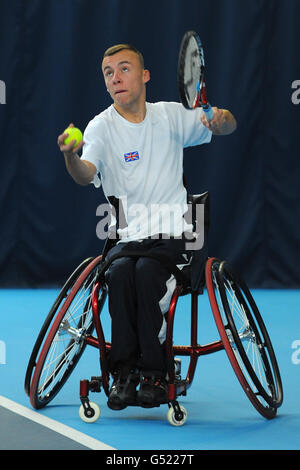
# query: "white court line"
56,426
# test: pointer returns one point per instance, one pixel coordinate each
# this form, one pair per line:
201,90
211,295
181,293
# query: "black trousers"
139,293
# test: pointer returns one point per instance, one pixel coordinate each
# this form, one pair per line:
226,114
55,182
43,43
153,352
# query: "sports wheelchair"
75,315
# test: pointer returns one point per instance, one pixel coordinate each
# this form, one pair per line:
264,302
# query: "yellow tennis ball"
74,134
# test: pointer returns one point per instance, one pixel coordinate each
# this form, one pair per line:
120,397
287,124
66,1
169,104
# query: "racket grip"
209,114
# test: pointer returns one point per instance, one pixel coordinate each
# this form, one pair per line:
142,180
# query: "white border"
56,426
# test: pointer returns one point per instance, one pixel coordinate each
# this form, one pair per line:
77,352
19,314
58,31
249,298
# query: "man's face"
125,78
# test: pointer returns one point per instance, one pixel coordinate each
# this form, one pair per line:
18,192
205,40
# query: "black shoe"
123,392
153,391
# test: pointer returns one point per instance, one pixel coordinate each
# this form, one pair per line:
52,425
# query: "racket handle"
209,114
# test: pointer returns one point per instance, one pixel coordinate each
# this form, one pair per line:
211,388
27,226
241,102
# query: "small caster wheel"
173,417
89,414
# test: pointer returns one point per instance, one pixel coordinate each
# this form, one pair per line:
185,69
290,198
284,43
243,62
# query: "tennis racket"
190,74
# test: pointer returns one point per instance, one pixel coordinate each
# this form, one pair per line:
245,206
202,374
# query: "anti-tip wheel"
91,415
173,419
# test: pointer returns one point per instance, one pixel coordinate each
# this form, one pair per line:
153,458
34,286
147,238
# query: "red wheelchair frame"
236,316
194,350
265,403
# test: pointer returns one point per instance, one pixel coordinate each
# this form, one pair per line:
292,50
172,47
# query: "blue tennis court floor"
220,416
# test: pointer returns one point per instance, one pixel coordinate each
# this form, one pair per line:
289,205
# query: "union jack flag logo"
131,156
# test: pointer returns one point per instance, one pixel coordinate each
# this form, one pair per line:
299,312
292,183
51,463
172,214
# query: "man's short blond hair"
121,47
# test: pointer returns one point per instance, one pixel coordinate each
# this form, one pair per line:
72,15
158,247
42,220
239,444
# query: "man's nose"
116,78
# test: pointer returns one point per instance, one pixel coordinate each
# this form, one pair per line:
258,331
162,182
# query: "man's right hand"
68,149
82,171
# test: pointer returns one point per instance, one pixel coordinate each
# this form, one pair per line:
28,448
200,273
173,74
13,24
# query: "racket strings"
190,74
193,70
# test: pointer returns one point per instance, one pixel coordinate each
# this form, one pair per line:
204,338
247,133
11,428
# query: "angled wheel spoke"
66,337
246,340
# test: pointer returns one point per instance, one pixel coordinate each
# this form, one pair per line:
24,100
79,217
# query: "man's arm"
223,122
81,171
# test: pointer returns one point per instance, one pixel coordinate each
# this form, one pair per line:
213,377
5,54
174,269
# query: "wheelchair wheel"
245,337
65,342
57,304
92,415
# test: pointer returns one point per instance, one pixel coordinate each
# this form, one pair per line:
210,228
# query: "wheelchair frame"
178,386
194,350
222,283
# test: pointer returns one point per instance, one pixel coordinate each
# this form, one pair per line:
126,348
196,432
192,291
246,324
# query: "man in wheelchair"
137,149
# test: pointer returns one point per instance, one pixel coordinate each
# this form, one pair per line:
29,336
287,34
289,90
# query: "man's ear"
146,75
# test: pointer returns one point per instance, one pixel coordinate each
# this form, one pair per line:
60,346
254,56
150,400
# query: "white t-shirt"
141,165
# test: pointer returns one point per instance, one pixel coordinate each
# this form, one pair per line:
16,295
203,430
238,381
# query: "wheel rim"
249,354
65,342
46,325
253,345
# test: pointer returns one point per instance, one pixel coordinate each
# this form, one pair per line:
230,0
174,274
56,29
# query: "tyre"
65,342
245,337
91,415
173,419
56,305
